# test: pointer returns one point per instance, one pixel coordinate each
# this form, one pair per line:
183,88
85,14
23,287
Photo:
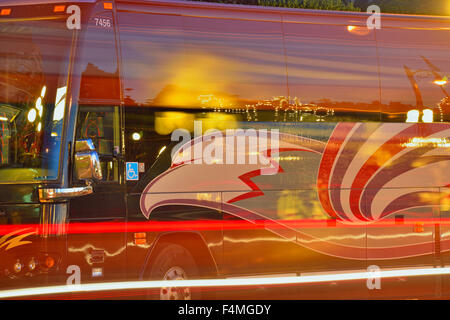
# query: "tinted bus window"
34,65
98,68
152,52
101,125
332,71
414,65
224,65
236,66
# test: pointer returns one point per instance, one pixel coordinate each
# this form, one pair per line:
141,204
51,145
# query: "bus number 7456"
104,23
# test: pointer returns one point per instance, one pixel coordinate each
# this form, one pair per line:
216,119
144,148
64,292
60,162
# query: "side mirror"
87,162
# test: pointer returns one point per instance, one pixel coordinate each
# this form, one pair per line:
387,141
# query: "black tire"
174,262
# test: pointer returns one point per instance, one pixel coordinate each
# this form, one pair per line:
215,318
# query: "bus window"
146,144
332,70
414,66
98,66
171,61
101,125
152,47
34,64
235,66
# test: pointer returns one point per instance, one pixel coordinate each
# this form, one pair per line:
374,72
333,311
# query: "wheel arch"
192,241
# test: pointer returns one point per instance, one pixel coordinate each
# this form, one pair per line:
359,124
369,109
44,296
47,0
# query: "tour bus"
164,140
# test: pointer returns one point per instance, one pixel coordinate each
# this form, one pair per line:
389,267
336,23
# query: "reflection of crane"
439,80
433,72
410,74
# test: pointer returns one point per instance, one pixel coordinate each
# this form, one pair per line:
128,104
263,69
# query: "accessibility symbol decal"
132,171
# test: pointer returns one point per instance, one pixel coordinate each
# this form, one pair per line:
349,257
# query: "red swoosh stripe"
384,154
326,165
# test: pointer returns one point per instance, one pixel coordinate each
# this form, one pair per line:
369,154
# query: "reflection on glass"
412,116
33,63
413,67
240,67
427,115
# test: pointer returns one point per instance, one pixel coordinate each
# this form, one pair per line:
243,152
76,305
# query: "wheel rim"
178,293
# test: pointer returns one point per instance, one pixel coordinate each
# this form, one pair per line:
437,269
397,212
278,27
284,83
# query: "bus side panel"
415,110
96,222
168,220
332,70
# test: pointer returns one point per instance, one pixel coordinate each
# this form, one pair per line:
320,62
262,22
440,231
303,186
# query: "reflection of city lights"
168,121
3,119
44,88
288,158
440,82
32,115
136,136
412,116
427,115
162,150
39,127
39,106
421,142
54,134
219,121
359,31
60,103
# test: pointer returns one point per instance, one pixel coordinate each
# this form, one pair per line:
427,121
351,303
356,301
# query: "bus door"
96,239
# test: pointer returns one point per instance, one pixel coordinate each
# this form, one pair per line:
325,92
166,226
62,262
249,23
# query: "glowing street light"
32,115
136,136
442,82
162,150
44,89
427,116
359,31
412,116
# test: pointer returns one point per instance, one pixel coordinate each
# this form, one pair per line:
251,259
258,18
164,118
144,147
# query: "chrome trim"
49,195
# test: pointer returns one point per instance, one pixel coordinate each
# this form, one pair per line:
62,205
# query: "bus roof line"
11,3
269,9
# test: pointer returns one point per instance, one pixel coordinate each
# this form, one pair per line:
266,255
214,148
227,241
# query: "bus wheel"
173,262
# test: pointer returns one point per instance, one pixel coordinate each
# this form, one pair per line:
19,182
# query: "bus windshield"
34,63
